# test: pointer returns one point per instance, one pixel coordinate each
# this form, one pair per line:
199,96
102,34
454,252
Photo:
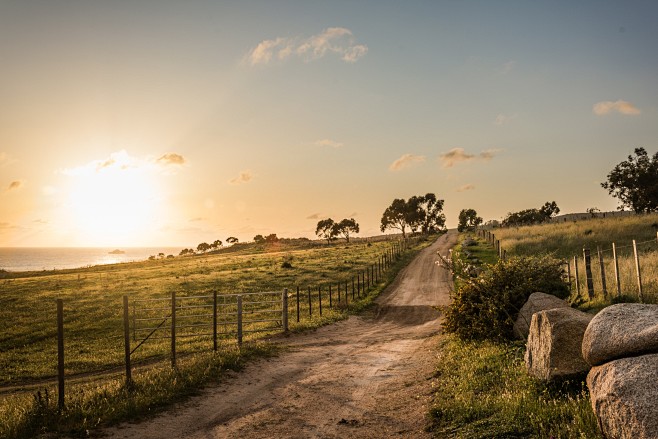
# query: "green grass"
482,390
568,239
94,337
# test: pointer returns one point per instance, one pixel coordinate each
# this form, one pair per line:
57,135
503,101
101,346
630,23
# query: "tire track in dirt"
364,377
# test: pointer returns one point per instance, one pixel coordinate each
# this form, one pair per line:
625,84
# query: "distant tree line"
330,230
422,213
531,216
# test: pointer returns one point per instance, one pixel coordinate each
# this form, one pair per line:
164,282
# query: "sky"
150,123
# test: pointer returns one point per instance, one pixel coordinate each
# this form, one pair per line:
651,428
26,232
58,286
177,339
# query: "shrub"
485,308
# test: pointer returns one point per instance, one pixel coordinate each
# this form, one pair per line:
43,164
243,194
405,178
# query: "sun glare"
115,202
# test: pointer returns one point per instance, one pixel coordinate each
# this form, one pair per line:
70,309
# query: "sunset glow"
126,124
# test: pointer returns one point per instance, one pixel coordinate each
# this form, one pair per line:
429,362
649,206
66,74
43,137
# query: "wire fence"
609,272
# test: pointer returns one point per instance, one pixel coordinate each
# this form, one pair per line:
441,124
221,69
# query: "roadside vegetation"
94,337
482,389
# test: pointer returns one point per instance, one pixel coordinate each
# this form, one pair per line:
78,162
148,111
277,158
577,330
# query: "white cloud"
244,177
607,107
122,161
459,155
328,142
407,160
466,187
171,158
334,40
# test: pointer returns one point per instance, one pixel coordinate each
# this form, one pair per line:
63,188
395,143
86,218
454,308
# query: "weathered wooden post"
126,340
320,299
331,305
346,291
616,261
214,321
284,310
575,269
588,273
353,289
603,281
60,354
569,274
240,320
173,329
639,275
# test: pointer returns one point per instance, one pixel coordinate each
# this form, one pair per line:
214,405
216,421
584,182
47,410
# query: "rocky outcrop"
554,348
535,303
620,331
625,398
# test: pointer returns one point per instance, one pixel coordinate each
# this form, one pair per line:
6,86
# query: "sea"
53,258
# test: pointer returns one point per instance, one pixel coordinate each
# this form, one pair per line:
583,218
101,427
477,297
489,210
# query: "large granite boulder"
535,303
555,343
624,397
620,331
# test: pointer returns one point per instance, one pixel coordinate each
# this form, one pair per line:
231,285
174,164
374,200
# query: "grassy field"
568,239
482,389
94,332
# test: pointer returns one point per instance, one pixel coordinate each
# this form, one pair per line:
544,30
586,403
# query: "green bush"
485,307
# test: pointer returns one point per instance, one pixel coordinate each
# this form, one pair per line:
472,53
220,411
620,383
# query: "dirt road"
366,377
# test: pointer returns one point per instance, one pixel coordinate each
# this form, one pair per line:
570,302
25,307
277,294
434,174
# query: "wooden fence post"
352,288
240,320
126,339
575,269
588,273
173,329
639,275
284,310
617,280
331,305
569,274
320,299
346,291
60,354
358,284
214,321
298,304
603,282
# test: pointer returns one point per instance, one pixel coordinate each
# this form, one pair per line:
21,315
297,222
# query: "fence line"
592,284
201,316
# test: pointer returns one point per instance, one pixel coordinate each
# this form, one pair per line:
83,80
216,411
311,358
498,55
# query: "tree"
532,216
423,212
468,220
395,216
635,182
434,220
232,240
271,238
259,239
326,229
216,244
347,226
203,247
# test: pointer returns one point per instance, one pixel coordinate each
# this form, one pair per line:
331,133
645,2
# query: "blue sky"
171,123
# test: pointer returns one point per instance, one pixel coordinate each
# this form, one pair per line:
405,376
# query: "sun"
115,202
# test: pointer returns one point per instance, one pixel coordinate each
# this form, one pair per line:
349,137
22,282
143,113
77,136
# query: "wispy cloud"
466,187
328,142
244,177
122,161
313,216
504,119
15,185
171,158
334,40
619,106
406,161
458,155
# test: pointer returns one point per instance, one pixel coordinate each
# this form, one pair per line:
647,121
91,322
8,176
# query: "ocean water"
37,259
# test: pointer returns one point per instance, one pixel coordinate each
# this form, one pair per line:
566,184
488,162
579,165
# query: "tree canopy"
424,213
468,220
635,182
532,216
329,229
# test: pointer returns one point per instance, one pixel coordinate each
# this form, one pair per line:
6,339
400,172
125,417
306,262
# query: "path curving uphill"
364,377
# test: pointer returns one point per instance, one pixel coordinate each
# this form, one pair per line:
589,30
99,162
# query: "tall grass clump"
481,390
485,307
